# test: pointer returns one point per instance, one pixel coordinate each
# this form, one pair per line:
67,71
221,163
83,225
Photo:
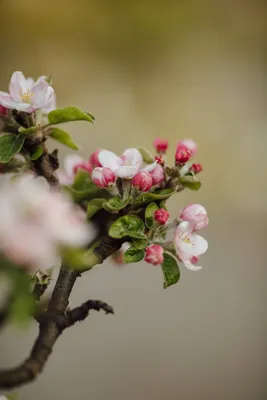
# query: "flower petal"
150,167
39,94
132,157
190,266
7,101
17,85
199,243
108,159
70,161
126,172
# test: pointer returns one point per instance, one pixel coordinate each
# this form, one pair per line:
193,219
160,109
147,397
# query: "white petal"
200,244
150,167
133,158
17,85
191,266
108,159
70,161
7,101
126,172
39,94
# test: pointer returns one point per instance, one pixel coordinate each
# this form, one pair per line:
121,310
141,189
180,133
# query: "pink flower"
161,216
72,163
189,246
82,165
25,95
154,254
3,110
93,160
126,166
157,174
196,215
189,144
103,177
196,168
51,104
182,155
142,181
161,145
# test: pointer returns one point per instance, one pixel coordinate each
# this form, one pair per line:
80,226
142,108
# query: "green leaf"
63,137
149,214
170,270
87,194
82,180
191,182
115,204
68,114
9,146
129,225
80,260
158,195
133,255
147,156
162,204
140,244
38,152
93,206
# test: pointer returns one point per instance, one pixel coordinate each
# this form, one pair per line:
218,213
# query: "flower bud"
196,168
103,177
160,160
182,155
154,254
142,181
86,166
196,215
161,145
93,160
189,144
161,216
3,110
157,174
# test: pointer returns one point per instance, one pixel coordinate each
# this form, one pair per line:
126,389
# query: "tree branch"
80,313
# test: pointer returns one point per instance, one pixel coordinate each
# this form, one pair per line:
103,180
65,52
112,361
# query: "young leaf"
9,146
82,180
115,204
93,206
190,182
149,214
38,152
133,255
140,244
170,270
68,114
147,156
63,137
129,225
158,195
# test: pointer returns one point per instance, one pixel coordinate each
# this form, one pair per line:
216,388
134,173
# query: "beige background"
172,69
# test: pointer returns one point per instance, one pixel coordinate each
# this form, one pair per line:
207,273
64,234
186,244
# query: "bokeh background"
172,69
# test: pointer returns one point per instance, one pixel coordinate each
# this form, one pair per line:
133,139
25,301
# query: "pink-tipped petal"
108,159
132,157
17,85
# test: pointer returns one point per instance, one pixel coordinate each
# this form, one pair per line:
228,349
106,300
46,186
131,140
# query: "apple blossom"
196,168
35,223
93,160
103,177
189,246
142,181
161,216
157,174
26,95
72,163
154,254
182,155
196,215
189,144
161,145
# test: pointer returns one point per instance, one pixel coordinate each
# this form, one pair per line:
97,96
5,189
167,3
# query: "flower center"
187,240
26,96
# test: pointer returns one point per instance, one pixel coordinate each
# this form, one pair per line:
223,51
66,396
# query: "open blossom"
161,216
142,181
72,163
27,95
189,246
126,166
161,145
196,215
189,144
103,177
36,223
154,254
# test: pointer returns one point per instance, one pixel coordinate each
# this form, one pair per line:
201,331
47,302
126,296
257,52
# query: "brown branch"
80,313
46,166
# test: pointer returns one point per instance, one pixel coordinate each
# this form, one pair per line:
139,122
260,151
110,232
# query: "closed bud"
86,166
142,181
196,215
182,155
93,160
103,177
157,175
196,168
161,145
161,216
189,144
154,254
3,110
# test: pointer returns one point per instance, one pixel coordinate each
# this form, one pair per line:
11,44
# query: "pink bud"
103,177
161,145
93,160
161,216
154,254
189,144
160,160
196,215
182,154
196,168
142,181
3,110
82,165
157,174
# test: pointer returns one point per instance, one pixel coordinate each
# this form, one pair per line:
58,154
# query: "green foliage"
147,156
68,114
115,204
38,152
9,146
170,270
63,137
157,195
94,206
190,182
140,244
129,225
149,214
133,255
80,260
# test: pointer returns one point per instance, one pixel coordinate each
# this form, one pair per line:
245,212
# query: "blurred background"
174,69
